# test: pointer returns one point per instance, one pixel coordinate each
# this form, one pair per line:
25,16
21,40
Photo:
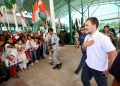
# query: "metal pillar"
0,27
6,15
89,5
15,18
88,12
75,9
10,28
95,10
52,14
119,15
70,21
82,19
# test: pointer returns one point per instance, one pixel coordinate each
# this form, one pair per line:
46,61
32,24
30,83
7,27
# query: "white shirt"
27,44
10,51
97,57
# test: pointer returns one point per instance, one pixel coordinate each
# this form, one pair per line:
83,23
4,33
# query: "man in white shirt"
100,54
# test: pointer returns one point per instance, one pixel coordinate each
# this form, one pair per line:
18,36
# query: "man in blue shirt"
81,39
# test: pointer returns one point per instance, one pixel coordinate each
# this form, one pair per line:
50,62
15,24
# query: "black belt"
53,44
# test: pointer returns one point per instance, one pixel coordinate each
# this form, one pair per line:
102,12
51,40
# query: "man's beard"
90,30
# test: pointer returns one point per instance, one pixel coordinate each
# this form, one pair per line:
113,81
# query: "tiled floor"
42,74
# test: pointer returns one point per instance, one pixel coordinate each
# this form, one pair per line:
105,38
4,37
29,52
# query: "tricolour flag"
42,6
35,14
39,8
23,20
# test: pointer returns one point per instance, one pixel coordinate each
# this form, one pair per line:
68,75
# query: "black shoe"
55,67
43,57
76,72
59,66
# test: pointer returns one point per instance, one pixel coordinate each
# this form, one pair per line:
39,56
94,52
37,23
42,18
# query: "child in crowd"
32,49
21,54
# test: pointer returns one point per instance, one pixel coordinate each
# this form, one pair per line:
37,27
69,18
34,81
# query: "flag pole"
2,18
14,14
3,23
7,18
52,14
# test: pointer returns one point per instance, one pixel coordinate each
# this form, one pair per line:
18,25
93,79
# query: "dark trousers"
4,73
39,52
3,70
33,55
88,73
82,62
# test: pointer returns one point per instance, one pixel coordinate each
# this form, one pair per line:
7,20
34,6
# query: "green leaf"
8,4
0,13
42,16
21,9
1,5
13,1
49,23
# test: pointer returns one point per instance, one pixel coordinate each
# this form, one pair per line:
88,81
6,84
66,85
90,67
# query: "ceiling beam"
89,5
95,10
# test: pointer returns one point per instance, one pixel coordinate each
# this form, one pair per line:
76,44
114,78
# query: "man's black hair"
7,38
94,21
106,26
50,30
